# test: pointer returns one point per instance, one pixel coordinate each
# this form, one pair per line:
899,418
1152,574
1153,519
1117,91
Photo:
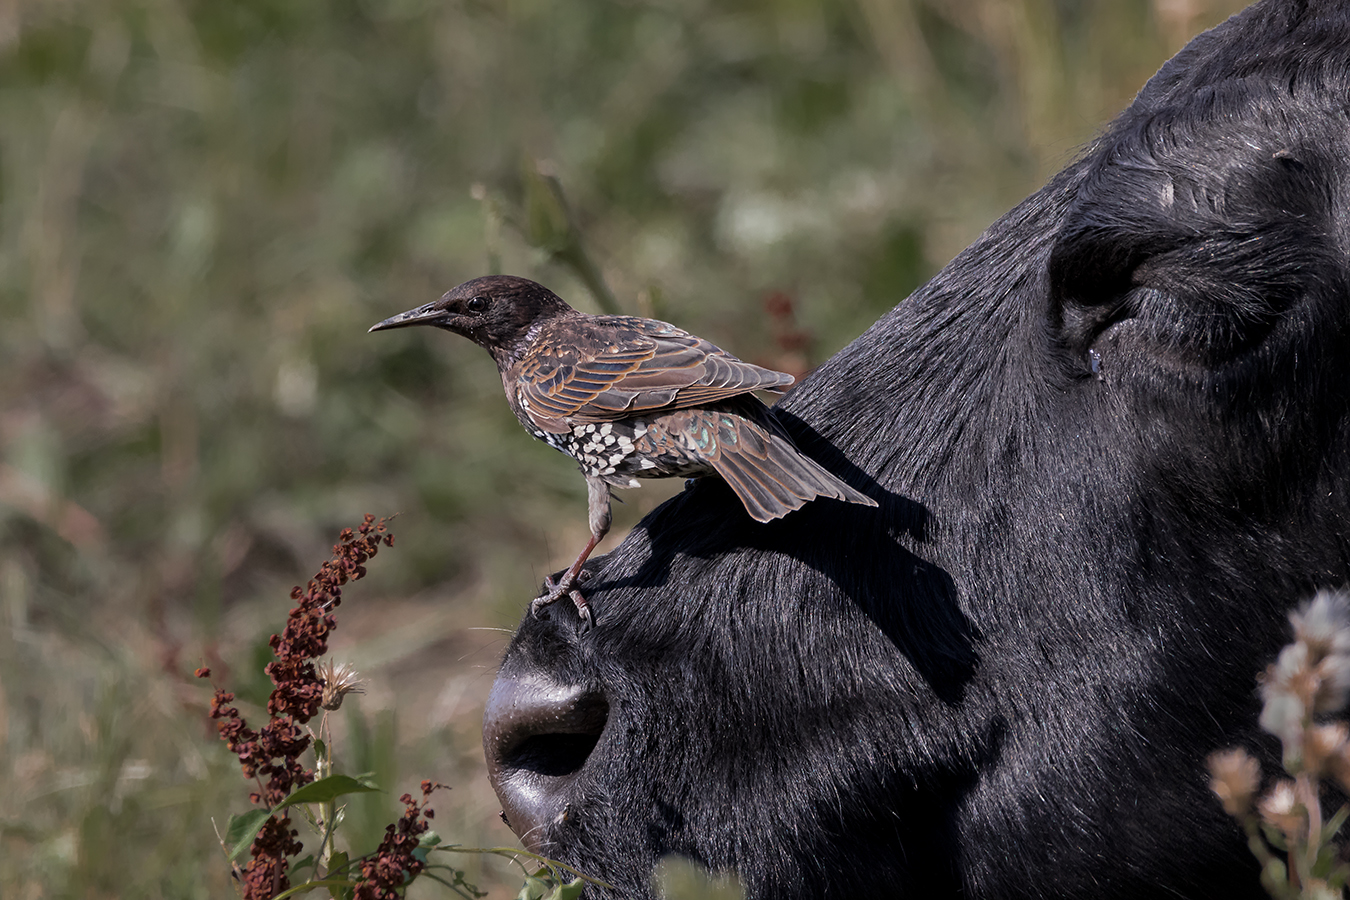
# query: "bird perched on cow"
630,398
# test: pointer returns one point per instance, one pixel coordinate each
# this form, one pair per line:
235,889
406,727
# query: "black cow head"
1109,441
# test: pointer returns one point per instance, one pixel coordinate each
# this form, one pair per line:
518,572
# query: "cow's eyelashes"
1094,273
1084,324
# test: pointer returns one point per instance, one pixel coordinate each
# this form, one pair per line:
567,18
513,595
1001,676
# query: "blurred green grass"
204,205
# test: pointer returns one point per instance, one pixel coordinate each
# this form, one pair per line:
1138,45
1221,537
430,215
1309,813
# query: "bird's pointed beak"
430,314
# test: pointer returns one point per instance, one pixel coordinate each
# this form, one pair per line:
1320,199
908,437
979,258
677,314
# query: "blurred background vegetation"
203,206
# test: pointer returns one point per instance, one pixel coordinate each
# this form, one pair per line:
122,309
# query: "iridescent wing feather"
614,367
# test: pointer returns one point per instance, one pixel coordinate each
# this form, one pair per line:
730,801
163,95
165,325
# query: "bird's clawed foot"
565,586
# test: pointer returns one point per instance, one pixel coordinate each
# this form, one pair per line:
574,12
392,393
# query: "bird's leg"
600,517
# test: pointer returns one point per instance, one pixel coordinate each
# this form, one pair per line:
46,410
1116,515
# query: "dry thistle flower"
1333,684
1292,671
1338,766
339,680
1311,676
1280,809
1317,665
1286,691
1323,624
1236,776
1322,744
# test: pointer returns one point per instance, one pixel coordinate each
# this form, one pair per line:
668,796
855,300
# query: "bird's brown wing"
602,368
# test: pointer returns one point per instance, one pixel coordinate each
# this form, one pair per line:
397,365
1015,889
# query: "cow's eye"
477,304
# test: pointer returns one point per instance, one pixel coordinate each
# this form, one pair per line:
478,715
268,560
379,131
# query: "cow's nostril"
553,755
537,735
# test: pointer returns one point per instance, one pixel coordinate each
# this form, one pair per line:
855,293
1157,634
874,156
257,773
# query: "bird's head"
495,312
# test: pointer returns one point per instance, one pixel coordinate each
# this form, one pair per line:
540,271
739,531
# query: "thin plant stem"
311,885
1306,788
512,852
327,809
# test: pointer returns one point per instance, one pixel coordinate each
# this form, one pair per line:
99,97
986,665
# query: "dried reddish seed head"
274,750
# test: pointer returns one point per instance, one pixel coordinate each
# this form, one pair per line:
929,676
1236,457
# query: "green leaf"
338,863
533,889
339,815
326,789
1275,878
310,817
241,831
425,844
1334,824
1275,837
569,891
1326,861
320,748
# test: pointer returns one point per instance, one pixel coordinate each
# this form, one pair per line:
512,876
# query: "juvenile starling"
630,398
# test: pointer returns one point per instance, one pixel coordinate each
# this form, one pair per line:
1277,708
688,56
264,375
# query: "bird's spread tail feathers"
770,475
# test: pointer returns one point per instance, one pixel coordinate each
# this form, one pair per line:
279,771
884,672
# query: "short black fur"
1112,442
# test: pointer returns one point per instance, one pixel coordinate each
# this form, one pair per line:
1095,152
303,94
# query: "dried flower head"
1311,676
1338,765
1280,809
1316,667
1333,684
1323,624
1236,776
339,680
272,752
1287,691
1321,745
1292,671
387,870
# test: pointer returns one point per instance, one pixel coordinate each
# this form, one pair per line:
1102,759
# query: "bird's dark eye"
477,304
